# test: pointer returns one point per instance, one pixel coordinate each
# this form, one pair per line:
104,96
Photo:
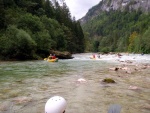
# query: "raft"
45,58
96,58
52,60
92,58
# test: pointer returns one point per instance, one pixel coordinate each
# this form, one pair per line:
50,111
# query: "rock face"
62,55
108,5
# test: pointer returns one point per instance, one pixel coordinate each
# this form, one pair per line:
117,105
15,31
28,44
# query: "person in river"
55,104
93,55
98,56
50,56
53,57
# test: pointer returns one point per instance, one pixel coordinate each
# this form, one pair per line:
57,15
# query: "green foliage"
31,28
131,41
44,42
17,44
30,22
95,46
117,27
146,41
49,10
105,50
2,13
137,45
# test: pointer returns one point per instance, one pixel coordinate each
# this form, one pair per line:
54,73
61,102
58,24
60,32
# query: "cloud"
78,8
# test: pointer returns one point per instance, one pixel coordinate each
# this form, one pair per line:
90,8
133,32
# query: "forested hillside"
117,30
29,29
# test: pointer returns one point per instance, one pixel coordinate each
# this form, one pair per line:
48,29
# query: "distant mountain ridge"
122,5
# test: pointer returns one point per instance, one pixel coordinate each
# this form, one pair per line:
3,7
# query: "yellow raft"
92,58
51,60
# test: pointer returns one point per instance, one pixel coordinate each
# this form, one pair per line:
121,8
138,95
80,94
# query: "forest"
29,29
118,31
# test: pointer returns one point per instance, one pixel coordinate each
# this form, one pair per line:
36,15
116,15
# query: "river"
25,86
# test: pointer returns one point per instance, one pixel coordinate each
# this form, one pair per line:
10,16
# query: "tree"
30,28
17,44
146,41
49,9
2,15
8,3
131,41
30,22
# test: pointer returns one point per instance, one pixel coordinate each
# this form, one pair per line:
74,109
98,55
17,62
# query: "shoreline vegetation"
29,29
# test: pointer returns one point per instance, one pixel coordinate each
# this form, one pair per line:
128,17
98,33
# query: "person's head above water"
55,104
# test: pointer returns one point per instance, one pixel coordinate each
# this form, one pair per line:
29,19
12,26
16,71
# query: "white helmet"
55,104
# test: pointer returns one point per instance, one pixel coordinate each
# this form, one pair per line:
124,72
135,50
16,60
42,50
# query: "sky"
79,8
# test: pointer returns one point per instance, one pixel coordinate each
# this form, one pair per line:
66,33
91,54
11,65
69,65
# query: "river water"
26,86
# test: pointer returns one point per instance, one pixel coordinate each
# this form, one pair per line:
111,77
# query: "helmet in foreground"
55,104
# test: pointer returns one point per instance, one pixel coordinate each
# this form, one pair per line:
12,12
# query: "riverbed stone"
108,80
5,106
20,100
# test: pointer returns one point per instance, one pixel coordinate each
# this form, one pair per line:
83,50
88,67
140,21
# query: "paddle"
115,108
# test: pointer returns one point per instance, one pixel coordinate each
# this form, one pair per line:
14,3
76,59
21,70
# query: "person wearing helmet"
50,56
55,104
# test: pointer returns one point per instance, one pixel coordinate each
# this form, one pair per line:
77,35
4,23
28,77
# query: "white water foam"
114,57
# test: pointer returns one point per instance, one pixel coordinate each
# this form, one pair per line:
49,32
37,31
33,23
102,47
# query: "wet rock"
114,69
108,80
125,68
146,106
81,80
62,55
6,106
128,70
134,88
128,61
19,81
20,100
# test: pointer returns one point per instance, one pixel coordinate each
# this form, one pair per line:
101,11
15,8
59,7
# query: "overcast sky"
78,8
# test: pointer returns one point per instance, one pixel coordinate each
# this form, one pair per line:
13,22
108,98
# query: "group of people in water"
52,56
94,56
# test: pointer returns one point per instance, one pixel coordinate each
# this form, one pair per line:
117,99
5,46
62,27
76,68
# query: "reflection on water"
26,86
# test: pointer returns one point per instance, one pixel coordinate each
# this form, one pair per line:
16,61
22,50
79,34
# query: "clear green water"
26,86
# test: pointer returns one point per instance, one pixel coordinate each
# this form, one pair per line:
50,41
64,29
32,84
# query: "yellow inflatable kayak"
53,60
92,58
45,58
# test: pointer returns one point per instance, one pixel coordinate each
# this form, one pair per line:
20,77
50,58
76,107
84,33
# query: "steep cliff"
122,5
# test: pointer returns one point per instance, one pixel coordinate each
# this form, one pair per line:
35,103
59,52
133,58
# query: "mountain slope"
118,25
122,5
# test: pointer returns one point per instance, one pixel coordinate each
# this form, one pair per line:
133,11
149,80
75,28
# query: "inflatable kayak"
52,60
45,59
96,58
92,58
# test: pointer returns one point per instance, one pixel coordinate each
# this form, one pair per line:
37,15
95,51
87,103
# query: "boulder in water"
81,80
62,55
20,100
133,87
108,80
